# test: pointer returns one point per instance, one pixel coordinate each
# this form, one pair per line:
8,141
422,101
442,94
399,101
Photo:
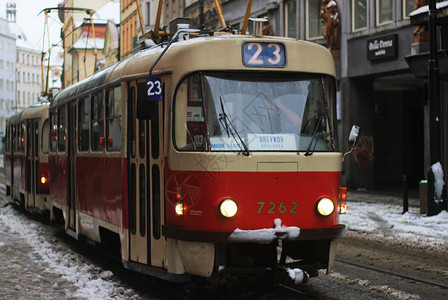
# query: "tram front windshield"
254,112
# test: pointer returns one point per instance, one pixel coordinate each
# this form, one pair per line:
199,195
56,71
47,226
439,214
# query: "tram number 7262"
272,207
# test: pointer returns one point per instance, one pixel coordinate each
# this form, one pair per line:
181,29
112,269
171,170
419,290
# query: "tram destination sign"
382,47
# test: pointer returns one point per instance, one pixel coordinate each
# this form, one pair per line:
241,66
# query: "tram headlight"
228,208
325,206
179,209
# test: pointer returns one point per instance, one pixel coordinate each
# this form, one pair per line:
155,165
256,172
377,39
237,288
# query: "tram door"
144,179
71,151
32,133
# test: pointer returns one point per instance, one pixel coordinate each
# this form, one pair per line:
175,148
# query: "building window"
408,7
290,15
383,12
148,13
314,25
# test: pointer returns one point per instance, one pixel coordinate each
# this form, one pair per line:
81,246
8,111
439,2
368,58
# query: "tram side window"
97,123
45,141
29,139
190,128
7,140
113,111
53,131
22,137
14,138
83,124
61,129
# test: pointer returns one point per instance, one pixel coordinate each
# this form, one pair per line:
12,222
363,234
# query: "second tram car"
26,158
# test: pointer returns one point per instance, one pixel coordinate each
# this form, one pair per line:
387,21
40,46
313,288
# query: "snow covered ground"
89,281
388,221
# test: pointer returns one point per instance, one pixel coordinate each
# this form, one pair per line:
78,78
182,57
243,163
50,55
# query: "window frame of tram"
84,124
97,122
57,130
22,138
114,111
53,131
314,28
190,94
61,124
100,122
45,137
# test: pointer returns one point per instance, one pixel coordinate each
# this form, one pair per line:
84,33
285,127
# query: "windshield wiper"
314,138
230,130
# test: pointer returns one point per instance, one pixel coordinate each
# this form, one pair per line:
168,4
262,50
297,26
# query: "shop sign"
382,47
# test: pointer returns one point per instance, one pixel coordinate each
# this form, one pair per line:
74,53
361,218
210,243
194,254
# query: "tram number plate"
273,208
262,54
154,88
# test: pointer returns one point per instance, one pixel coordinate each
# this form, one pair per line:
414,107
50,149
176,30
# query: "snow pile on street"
91,282
389,222
437,170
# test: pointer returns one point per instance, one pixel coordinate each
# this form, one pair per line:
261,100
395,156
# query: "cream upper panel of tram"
256,162
38,111
221,52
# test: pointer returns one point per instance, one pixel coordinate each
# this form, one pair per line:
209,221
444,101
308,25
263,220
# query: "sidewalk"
380,214
383,197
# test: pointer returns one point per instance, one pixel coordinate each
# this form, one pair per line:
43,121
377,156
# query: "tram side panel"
102,188
58,165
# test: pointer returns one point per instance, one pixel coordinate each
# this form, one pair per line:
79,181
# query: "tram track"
298,293
391,273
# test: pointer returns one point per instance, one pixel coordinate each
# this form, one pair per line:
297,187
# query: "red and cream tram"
26,158
223,159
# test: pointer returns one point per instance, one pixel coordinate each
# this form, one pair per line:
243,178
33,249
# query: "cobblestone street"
22,276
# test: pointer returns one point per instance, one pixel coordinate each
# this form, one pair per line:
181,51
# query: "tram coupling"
291,276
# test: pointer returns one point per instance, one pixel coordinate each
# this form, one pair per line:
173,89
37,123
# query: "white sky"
33,25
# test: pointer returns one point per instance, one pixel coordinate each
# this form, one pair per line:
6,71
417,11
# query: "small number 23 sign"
154,88
262,54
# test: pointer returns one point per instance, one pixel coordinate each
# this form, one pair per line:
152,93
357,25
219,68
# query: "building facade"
380,94
130,26
7,74
76,35
28,65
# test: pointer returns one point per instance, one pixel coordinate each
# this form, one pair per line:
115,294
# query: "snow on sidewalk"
388,221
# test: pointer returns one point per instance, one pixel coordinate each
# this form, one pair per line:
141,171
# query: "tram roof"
195,55
36,110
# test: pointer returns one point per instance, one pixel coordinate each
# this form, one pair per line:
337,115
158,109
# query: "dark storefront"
383,97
